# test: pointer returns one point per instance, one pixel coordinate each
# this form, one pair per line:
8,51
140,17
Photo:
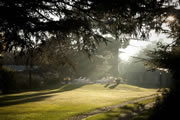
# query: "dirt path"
106,109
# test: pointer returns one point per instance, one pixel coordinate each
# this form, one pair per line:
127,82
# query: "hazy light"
170,19
125,54
124,57
134,48
108,35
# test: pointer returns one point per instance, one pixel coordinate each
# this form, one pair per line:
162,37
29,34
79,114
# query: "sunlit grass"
122,112
65,101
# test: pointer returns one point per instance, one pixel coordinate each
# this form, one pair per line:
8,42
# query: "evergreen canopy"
26,23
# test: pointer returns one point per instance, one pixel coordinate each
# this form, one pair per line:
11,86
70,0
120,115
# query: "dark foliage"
7,81
26,23
167,108
168,57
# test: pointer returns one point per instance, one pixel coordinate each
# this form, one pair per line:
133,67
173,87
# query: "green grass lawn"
126,112
65,101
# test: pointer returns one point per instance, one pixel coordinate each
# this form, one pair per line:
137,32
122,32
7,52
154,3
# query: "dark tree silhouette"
168,57
24,23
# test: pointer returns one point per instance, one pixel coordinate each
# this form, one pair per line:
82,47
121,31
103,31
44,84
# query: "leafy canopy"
25,24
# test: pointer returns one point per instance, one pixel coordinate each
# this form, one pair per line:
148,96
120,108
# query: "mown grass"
65,101
126,112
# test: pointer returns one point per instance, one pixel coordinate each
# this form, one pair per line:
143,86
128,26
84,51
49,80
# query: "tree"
58,57
168,57
2,47
80,23
83,20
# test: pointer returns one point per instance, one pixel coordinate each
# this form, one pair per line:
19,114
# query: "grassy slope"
125,112
65,101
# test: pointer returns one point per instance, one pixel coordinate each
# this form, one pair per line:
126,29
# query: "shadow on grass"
111,86
135,112
114,86
7,100
106,85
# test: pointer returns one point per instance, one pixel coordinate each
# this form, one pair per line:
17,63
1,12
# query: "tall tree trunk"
29,63
30,72
30,78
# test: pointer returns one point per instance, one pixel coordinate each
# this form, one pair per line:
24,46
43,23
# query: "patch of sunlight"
170,19
66,101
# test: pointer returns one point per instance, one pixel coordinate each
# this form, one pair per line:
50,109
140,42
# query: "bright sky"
135,46
132,49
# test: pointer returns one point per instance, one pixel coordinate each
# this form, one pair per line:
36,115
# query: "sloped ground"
66,101
131,110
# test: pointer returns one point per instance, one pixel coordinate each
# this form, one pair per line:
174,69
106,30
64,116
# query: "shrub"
7,80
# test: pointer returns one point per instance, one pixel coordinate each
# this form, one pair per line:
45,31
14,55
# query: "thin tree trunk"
30,66
30,78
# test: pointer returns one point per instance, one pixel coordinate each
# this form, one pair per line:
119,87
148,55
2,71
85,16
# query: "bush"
167,107
7,80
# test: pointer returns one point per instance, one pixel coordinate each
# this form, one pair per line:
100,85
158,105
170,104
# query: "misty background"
111,63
